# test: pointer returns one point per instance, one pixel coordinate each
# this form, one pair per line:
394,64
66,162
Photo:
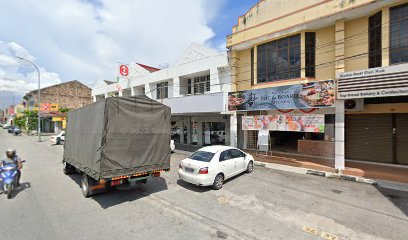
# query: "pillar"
233,130
302,55
215,80
176,87
339,132
339,154
385,41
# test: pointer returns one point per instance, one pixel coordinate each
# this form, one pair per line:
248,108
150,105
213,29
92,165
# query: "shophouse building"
195,88
68,96
322,78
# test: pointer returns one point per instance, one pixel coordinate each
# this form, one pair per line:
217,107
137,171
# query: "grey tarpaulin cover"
119,136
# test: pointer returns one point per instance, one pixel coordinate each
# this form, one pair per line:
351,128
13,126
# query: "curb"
341,177
317,173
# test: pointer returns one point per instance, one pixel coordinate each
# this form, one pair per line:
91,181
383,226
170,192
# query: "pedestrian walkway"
376,171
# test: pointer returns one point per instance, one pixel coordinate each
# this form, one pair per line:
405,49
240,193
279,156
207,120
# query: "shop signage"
309,95
47,107
292,123
58,119
375,82
374,93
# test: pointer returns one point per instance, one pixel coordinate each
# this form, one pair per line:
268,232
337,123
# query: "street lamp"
39,98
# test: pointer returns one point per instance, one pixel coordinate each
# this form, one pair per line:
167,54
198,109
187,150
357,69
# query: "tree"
64,110
31,118
20,122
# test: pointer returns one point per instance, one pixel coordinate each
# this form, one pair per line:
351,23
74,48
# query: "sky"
84,39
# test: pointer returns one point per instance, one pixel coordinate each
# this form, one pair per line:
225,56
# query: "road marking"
329,236
310,230
222,199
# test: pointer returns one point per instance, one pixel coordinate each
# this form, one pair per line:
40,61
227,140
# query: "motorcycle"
8,174
17,131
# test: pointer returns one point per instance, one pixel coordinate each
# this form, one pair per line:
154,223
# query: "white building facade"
196,89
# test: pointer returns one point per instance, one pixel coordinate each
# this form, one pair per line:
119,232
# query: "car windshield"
202,156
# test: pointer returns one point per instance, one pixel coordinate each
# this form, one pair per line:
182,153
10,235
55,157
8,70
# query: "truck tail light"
203,170
156,174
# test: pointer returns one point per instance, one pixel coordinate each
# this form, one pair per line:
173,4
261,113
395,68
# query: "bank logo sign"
300,96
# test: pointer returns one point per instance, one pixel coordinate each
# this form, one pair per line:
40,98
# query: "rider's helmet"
11,153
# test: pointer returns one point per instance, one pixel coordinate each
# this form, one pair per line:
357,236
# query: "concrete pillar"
233,130
132,91
215,80
188,125
120,93
385,41
200,132
94,98
302,55
340,136
339,156
176,87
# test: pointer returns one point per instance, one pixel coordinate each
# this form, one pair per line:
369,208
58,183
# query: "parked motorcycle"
8,174
17,131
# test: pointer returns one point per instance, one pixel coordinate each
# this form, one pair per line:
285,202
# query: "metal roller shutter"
369,137
402,138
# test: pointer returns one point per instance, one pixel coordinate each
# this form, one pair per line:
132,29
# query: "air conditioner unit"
354,105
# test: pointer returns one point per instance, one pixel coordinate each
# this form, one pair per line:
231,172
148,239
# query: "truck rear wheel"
86,190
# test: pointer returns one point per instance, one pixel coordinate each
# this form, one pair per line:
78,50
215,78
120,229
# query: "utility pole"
38,98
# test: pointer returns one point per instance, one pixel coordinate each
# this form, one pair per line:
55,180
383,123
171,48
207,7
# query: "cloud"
19,51
18,76
83,39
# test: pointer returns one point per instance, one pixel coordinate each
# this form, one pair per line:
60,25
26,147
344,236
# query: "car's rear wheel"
250,167
218,181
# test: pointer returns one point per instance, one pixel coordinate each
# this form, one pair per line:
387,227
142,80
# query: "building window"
375,47
310,54
200,85
162,90
399,34
189,86
278,60
252,66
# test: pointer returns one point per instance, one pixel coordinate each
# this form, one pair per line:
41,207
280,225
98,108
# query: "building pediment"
195,52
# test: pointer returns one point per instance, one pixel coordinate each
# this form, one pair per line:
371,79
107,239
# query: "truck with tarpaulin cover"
118,140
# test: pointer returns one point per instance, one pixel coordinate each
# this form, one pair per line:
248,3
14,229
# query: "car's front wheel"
250,167
218,181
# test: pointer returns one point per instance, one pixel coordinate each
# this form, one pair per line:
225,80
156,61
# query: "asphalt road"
267,204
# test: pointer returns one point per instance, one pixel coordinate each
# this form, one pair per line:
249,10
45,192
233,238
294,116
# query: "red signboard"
124,70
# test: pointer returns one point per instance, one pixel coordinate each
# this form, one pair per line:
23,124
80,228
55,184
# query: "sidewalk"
375,171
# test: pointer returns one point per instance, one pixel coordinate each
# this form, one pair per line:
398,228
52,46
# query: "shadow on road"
125,193
192,187
398,198
19,189
196,188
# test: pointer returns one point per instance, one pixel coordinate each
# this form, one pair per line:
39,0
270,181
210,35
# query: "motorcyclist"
12,158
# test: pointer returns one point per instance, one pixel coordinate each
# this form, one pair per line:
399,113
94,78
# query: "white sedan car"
210,166
58,139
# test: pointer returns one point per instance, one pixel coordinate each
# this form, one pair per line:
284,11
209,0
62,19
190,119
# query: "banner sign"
292,123
309,95
263,140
